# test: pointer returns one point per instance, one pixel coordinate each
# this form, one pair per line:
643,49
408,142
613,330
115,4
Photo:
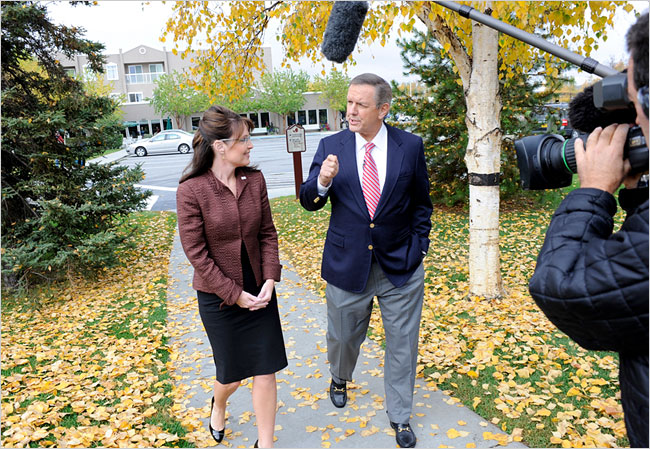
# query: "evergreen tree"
58,213
440,112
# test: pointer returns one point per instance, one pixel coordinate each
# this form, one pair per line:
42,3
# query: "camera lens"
545,161
548,161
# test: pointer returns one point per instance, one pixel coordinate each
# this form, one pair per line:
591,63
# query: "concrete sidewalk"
112,157
306,418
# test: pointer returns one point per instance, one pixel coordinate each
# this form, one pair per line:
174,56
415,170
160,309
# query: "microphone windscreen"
343,29
586,117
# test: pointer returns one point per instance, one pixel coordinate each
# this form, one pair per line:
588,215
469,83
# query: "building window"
266,121
156,71
195,123
111,72
70,71
135,97
322,116
135,75
155,126
255,119
132,130
144,128
291,118
312,117
302,117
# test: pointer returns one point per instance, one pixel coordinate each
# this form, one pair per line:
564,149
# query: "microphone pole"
589,65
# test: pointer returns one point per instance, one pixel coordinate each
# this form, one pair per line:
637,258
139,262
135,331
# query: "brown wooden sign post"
296,144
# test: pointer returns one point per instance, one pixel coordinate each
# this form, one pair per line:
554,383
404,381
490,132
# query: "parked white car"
163,142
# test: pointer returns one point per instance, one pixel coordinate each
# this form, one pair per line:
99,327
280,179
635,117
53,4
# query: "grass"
501,358
107,152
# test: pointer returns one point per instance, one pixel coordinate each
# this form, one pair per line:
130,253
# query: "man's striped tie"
370,181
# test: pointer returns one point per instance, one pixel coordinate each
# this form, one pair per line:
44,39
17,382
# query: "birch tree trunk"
480,77
483,163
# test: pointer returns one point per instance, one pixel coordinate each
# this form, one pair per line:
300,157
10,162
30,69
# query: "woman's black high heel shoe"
255,445
216,434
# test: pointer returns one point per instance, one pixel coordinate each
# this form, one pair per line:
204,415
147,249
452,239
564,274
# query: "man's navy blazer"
397,237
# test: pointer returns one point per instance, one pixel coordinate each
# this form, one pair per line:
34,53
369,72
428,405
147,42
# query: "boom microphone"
585,116
343,29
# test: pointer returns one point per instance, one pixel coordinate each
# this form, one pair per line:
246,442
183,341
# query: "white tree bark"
483,158
480,78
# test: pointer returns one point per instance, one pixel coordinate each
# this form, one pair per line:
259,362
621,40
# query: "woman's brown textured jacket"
212,223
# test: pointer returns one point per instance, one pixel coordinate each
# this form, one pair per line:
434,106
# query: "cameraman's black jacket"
593,285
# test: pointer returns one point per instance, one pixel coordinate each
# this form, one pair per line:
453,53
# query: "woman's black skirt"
244,343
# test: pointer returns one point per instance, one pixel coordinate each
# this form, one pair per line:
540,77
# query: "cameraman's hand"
602,166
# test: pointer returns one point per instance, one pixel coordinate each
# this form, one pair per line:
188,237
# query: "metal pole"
297,171
589,65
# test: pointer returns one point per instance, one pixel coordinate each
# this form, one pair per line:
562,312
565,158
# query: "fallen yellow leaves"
500,438
84,371
453,433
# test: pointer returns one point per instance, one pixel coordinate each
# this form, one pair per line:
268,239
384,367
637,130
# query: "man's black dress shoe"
216,434
404,435
338,394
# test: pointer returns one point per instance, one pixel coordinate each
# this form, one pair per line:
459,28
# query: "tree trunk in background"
284,124
483,163
480,79
180,121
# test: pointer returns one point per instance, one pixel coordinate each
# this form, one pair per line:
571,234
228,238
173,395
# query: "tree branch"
445,35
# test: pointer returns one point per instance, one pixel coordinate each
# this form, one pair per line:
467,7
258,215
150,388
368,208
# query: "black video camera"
548,161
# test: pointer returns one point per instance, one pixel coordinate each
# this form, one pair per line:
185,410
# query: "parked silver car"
163,142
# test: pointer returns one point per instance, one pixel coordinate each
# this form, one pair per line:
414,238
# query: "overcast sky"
127,24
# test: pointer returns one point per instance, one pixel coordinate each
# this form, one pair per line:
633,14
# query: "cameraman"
593,284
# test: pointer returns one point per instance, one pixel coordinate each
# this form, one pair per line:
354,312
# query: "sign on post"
296,139
296,144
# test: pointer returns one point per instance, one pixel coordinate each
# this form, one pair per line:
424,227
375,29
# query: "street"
269,153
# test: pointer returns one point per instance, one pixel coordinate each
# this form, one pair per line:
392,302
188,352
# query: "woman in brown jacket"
227,233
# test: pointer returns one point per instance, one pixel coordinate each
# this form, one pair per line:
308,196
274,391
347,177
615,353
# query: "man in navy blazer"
376,179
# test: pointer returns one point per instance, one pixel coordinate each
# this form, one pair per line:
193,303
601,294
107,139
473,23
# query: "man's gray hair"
383,92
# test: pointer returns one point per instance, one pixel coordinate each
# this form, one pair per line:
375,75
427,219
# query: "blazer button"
370,247
372,225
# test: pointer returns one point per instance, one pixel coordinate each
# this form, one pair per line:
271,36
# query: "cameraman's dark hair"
383,92
637,45
217,123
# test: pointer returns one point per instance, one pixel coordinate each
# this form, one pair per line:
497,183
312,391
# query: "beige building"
133,74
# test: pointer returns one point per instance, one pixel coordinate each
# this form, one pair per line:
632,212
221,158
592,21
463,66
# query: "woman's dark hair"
217,123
